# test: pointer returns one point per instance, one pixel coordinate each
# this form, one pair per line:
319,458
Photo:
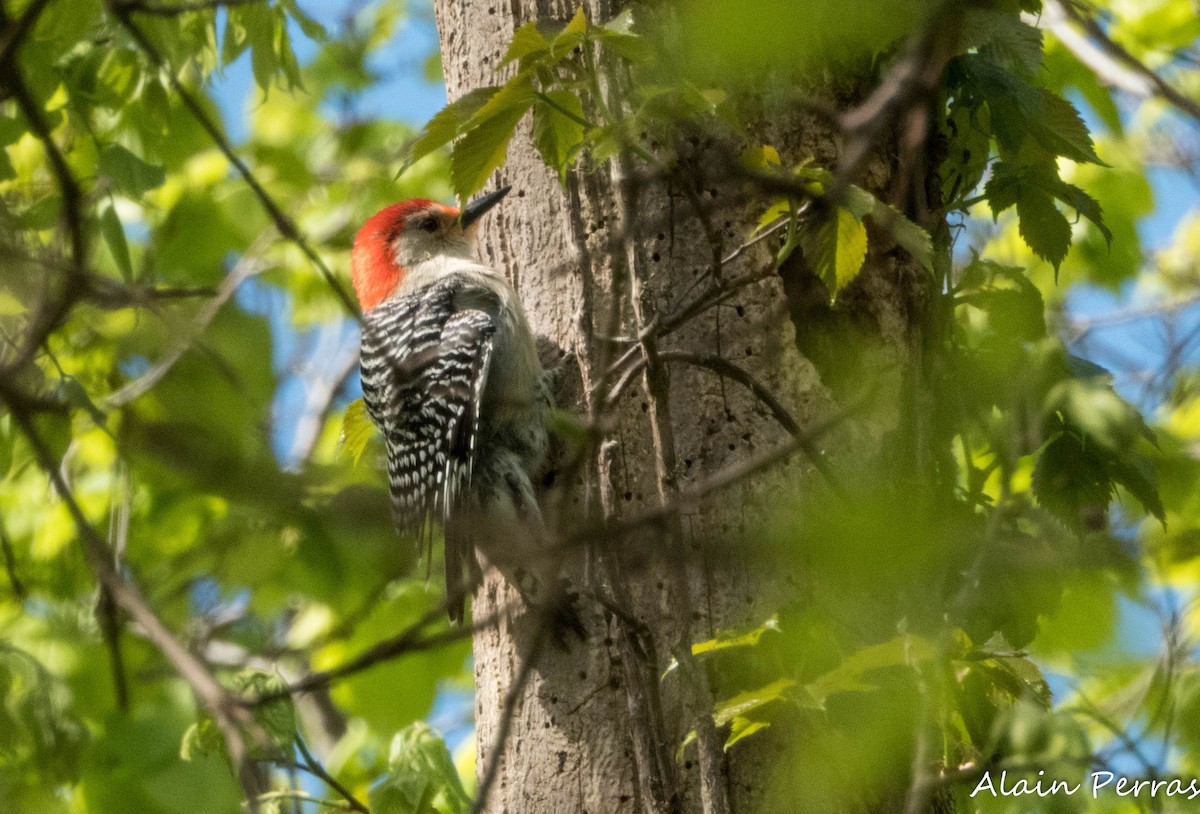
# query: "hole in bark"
687,764
741,311
582,677
687,462
659,585
656,257
749,351
732,447
645,407
520,193
491,9
629,495
661,236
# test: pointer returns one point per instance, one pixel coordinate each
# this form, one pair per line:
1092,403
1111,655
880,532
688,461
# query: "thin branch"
408,641
16,32
53,308
1109,59
283,224
247,266
723,367
314,767
690,498
230,718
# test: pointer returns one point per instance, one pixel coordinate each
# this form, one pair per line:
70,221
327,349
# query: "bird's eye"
428,225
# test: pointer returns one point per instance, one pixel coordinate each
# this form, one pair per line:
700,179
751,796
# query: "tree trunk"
592,728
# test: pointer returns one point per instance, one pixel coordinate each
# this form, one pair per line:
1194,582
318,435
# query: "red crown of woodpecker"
373,267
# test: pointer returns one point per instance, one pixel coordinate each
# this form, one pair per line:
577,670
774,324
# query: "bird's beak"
476,208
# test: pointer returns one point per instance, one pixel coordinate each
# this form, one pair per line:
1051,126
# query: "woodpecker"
451,377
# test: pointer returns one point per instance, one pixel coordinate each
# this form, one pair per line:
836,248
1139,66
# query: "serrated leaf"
1069,477
836,249
557,135
1061,130
1085,205
421,777
571,35
1005,39
527,42
114,237
908,235
127,172
357,429
482,149
1044,229
277,718
446,125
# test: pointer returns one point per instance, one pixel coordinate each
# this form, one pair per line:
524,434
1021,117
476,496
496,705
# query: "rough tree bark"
593,729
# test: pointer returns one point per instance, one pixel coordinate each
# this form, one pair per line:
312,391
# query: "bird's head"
404,234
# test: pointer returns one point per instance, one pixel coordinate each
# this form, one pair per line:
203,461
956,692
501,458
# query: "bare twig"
314,767
723,367
247,266
283,224
16,32
407,641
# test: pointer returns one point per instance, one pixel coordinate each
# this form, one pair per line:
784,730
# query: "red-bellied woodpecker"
450,375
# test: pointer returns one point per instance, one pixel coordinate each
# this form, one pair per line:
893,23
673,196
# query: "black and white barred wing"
424,368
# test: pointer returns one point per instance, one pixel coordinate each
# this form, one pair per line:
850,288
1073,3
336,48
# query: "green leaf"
277,718
1045,230
311,28
1006,40
738,706
836,248
557,135
446,125
908,235
357,429
742,728
128,173
846,677
421,777
571,36
114,237
527,42
483,146
201,739
617,35
1085,205
728,641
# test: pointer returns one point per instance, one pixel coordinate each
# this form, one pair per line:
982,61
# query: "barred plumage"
424,370
450,375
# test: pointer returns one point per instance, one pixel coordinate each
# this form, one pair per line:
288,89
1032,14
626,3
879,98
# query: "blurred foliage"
1055,532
